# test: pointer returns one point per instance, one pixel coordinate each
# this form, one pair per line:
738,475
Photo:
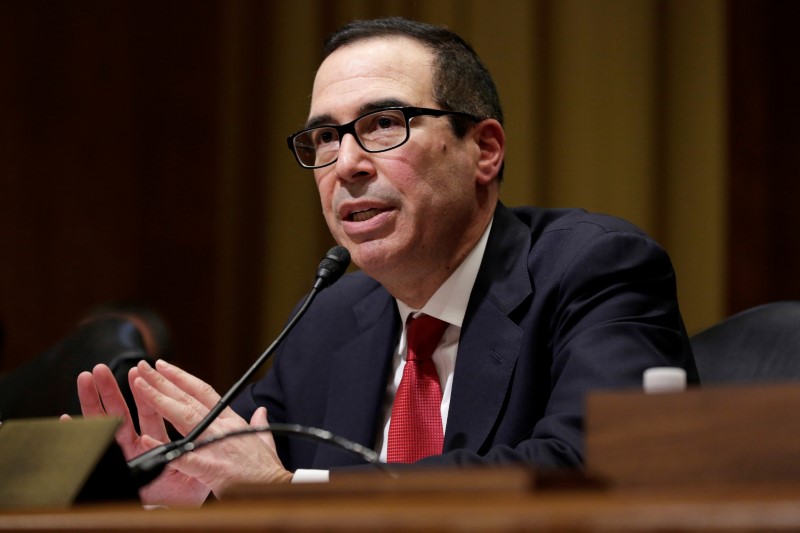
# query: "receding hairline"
428,47
365,41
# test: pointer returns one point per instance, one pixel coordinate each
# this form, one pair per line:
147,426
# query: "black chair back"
46,386
761,344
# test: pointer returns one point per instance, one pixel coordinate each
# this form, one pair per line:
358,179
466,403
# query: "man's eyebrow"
381,104
323,120
319,120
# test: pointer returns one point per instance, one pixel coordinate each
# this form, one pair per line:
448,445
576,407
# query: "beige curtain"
617,106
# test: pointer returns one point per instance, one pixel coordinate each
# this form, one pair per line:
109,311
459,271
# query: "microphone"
331,268
147,466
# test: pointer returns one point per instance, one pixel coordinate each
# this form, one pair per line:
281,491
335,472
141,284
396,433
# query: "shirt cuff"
303,475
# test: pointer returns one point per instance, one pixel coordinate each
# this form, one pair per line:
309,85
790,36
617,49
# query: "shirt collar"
449,302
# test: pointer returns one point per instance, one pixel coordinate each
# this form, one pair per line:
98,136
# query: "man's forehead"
361,73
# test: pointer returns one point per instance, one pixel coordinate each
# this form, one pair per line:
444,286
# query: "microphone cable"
320,435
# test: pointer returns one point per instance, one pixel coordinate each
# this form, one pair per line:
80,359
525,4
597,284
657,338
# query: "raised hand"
184,400
100,395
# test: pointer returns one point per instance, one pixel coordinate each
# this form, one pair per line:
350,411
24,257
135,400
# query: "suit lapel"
490,340
357,384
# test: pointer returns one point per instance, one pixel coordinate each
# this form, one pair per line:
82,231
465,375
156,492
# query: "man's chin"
372,257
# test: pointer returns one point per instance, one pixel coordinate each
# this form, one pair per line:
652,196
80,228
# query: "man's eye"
324,137
386,122
381,123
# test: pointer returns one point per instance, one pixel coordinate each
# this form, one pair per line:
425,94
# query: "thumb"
259,417
149,442
259,420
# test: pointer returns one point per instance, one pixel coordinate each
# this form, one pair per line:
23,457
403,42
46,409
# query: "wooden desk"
723,435
735,509
722,460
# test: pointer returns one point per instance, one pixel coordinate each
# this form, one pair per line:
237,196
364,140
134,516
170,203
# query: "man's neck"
449,302
417,291
453,293
413,285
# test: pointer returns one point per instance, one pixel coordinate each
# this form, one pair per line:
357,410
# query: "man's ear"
491,140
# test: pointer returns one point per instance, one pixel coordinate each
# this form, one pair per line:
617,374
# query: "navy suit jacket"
565,302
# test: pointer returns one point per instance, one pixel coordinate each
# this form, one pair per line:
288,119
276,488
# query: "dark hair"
460,80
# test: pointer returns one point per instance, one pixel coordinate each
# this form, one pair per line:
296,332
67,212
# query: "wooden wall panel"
764,153
142,150
108,167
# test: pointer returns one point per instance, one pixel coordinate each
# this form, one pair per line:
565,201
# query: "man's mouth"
361,216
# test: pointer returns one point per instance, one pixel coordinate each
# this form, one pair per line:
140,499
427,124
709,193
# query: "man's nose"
352,161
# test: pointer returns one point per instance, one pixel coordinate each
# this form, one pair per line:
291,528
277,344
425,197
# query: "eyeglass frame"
342,129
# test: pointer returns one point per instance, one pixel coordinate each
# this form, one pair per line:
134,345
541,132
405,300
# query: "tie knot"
424,333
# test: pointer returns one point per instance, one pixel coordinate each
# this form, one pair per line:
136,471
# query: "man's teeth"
361,216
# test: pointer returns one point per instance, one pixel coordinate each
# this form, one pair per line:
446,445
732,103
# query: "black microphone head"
332,266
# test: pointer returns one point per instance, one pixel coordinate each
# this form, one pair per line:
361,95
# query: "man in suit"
537,307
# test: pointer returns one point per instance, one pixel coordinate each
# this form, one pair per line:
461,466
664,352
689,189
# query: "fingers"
150,422
110,395
171,401
100,395
112,401
184,400
88,395
192,385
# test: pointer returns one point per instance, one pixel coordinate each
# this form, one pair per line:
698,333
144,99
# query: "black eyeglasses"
377,131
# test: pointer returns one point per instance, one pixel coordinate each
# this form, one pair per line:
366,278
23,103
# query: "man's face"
404,212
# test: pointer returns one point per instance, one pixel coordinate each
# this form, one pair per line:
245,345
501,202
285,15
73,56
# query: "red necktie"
415,429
